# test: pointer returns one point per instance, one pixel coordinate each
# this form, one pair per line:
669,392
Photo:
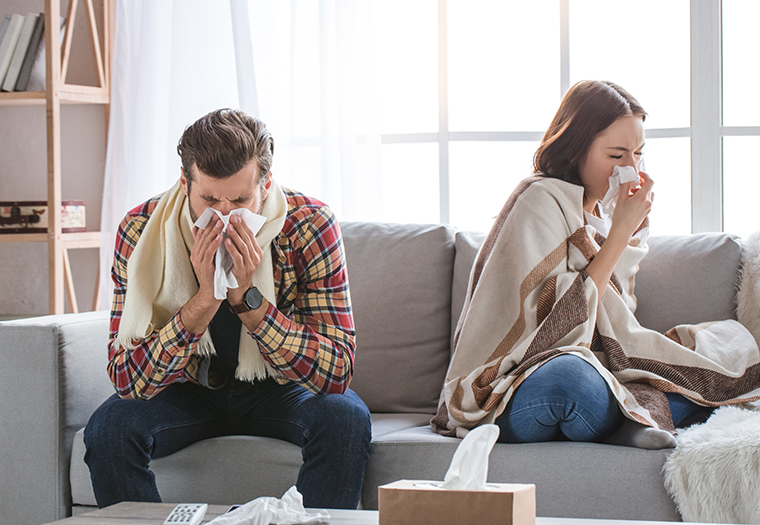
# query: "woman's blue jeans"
566,398
333,431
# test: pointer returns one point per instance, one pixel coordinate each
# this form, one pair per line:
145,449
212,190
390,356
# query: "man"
271,357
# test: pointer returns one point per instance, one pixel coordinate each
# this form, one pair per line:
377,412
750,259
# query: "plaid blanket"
529,300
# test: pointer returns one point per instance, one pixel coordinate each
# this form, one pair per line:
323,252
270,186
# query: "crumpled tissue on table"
469,466
223,278
267,510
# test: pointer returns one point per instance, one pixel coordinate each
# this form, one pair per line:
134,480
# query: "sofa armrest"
51,379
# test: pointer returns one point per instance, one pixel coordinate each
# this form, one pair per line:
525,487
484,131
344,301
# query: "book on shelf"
11,77
8,45
38,73
4,26
31,53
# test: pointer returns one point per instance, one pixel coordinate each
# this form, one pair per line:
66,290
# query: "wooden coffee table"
130,513
155,513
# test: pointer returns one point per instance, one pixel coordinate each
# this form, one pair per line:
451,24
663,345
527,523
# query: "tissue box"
411,502
32,216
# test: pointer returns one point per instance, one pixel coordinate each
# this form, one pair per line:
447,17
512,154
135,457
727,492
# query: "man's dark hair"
588,108
223,142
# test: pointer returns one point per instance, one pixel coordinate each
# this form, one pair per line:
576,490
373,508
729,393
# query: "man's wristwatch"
252,299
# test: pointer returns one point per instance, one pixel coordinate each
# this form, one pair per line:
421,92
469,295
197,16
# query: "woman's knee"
569,377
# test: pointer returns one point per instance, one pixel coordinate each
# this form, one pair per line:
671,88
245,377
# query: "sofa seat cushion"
227,470
573,480
224,471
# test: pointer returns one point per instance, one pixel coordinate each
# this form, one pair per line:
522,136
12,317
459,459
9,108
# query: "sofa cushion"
259,466
223,471
573,480
688,279
677,269
467,247
400,278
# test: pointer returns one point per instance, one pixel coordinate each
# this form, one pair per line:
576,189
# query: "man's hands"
246,256
197,313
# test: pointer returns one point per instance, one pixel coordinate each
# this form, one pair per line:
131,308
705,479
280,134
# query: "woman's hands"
632,206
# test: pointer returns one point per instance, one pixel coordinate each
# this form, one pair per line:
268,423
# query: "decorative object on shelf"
32,217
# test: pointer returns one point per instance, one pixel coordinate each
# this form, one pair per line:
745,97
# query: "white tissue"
620,175
265,511
469,466
223,278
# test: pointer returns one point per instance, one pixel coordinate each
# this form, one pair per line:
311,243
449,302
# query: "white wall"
23,176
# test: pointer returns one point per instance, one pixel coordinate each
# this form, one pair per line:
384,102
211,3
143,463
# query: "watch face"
252,298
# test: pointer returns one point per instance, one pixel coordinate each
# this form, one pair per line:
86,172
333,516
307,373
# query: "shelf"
67,94
58,92
23,237
69,240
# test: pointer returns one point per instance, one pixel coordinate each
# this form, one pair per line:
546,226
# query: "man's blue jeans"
566,398
333,431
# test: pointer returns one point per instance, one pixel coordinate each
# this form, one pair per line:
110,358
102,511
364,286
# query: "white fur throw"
748,298
714,473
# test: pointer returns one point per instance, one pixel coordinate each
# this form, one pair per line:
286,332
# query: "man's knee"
343,415
110,423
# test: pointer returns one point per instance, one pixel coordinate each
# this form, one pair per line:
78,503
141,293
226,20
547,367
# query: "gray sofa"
407,285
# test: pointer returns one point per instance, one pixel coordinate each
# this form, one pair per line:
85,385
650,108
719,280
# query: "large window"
741,116
463,90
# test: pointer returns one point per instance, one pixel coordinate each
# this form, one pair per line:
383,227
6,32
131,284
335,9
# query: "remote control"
187,514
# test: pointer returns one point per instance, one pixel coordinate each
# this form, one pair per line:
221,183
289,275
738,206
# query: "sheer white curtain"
316,80
304,67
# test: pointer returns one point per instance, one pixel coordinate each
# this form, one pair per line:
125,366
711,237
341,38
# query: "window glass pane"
741,186
406,49
741,45
643,46
409,184
482,176
668,162
504,64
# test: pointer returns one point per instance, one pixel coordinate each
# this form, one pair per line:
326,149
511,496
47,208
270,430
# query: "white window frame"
706,131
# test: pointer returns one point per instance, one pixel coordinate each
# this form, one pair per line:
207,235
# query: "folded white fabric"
223,278
267,510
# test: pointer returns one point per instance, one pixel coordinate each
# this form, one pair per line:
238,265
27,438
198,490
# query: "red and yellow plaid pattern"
308,337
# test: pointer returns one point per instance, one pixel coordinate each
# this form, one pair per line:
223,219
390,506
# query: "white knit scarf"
160,277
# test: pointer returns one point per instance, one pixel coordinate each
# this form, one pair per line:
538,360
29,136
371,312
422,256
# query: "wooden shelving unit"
58,92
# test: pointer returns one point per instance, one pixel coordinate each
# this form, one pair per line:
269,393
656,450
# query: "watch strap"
246,306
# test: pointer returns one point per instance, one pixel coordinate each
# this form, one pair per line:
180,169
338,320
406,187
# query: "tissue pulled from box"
223,278
469,466
268,510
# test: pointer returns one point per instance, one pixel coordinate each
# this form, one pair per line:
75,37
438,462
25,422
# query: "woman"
547,346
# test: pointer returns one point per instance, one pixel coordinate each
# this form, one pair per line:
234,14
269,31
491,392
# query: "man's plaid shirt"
308,337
